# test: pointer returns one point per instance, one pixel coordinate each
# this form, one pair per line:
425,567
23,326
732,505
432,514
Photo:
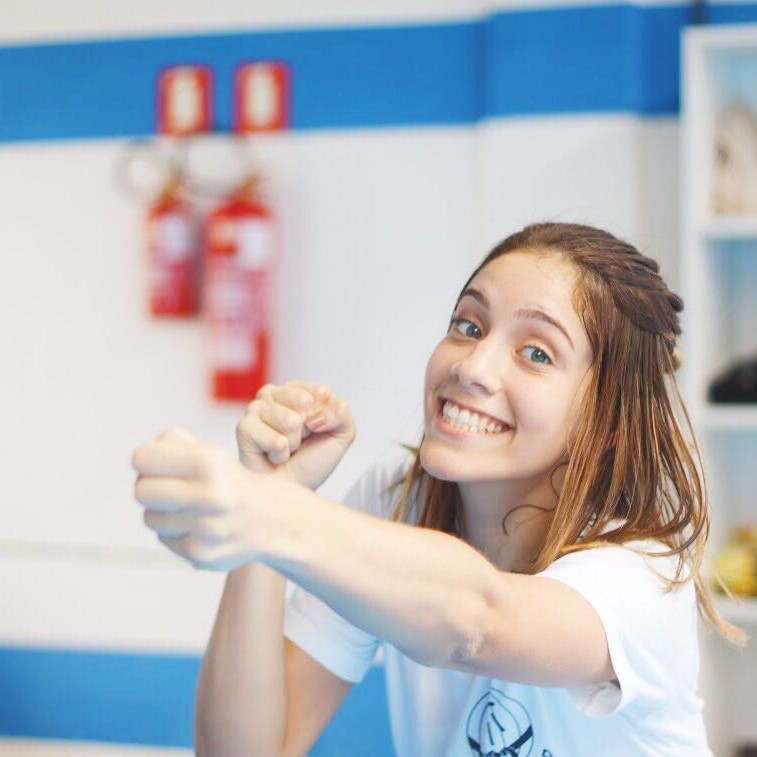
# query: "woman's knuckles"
253,409
293,422
141,490
264,392
294,395
279,456
279,444
213,465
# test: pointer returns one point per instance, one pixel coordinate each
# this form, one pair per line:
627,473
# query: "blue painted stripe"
619,58
730,13
148,699
85,695
611,58
340,78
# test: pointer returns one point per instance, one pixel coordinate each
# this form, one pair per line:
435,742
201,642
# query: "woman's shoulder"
649,556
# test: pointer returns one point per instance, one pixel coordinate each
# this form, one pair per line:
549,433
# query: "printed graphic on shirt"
500,726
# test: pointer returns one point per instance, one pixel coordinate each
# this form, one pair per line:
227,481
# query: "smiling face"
517,356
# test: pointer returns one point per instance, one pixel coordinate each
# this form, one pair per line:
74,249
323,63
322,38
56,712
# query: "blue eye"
542,356
467,326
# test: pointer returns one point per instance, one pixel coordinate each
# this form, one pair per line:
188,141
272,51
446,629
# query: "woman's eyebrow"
540,315
523,313
471,292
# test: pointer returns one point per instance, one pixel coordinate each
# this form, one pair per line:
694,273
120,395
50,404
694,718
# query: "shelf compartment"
729,417
729,227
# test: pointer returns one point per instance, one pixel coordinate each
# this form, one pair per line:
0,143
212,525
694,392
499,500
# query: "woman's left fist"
199,500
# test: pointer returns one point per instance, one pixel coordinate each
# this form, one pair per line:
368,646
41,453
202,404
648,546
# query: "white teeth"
470,422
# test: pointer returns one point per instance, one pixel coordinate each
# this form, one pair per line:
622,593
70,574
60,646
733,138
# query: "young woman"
547,603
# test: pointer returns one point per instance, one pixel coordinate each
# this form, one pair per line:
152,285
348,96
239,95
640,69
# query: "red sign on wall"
261,97
184,100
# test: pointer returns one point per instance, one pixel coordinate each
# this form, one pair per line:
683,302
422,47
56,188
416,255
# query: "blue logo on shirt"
499,726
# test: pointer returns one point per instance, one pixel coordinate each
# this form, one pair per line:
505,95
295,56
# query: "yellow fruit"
737,566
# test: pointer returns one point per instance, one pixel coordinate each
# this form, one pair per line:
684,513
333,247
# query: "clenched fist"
203,505
297,430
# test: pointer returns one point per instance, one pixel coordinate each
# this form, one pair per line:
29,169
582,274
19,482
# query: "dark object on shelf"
736,384
746,750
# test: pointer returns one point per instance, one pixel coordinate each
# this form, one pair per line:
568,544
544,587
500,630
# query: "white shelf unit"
728,417
728,227
719,287
718,270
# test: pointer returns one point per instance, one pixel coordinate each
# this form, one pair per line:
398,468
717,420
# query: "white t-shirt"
437,712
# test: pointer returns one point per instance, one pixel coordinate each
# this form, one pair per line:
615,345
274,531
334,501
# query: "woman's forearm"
423,591
241,702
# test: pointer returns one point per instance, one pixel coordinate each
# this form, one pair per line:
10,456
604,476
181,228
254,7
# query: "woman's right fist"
298,430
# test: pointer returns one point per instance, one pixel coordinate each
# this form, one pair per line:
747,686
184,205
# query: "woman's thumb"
334,417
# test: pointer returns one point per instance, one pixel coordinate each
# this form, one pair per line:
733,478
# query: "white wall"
79,19
378,233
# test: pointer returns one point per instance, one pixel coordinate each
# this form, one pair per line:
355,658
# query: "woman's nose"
476,369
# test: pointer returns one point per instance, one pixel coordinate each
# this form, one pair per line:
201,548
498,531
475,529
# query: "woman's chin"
434,463
445,465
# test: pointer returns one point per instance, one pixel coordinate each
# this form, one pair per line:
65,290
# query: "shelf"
744,611
718,258
726,417
730,227
736,37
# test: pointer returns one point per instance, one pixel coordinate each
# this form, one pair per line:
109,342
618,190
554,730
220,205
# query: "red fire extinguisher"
174,255
239,260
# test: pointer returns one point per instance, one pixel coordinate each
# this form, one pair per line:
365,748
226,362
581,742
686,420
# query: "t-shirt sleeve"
344,649
649,632
341,647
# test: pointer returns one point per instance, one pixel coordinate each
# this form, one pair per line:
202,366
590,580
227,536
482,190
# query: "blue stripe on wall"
618,58
345,78
613,58
567,59
148,699
66,694
730,13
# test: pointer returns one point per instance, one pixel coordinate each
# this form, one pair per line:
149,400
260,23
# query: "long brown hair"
629,458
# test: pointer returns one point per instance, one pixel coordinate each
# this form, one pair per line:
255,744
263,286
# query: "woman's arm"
428,593
258,693
256,689
436,598
241,706
421,590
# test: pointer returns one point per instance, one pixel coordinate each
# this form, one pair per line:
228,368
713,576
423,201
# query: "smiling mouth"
459,421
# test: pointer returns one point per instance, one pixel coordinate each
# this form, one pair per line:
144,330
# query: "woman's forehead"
543,280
